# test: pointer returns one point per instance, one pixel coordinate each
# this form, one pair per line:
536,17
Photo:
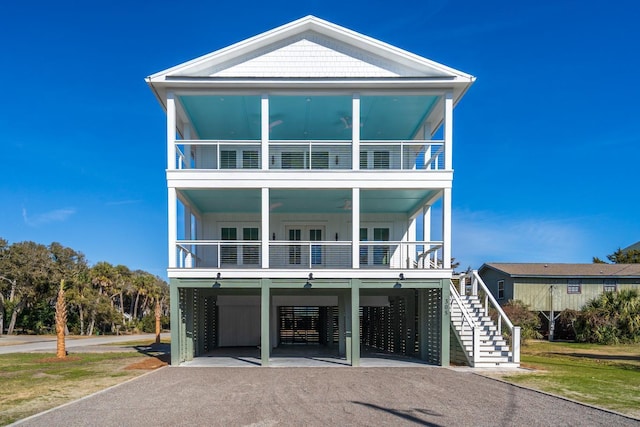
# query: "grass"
34,382
604,376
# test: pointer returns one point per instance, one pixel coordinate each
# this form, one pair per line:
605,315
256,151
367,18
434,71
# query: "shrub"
520,315
611,318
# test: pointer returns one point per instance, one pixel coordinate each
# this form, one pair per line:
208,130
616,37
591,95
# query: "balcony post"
172,226
446,228
426,235
264,121
448,131
265,229
171,131
355,133
187,147
355,228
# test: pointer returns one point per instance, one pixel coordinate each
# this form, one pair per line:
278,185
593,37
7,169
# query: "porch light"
310,276
273,236
401,276
337,160
336,237
218,276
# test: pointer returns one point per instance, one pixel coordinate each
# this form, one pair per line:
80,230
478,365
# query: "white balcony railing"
308,254
223,154
309,154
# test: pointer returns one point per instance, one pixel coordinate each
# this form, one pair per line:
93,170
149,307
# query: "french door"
303,255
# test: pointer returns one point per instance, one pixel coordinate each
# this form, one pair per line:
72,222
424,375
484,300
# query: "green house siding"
540,296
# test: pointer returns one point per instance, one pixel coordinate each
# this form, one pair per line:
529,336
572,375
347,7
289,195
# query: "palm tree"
61,323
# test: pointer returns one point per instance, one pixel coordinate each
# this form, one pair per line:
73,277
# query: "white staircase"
491,349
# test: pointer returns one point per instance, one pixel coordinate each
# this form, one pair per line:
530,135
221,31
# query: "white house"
309,186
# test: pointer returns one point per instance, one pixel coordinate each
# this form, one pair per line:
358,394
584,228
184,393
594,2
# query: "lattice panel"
432,310
210,330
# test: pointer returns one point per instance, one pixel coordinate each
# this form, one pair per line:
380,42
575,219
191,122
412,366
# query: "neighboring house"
304,165
634,247
555,287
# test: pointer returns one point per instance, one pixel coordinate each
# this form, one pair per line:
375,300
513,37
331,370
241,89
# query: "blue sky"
547,141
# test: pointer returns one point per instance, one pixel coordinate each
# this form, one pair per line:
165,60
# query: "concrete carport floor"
431,396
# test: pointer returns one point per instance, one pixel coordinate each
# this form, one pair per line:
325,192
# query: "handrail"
489,298
475,349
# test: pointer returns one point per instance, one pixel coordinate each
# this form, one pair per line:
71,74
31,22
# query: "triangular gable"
311,47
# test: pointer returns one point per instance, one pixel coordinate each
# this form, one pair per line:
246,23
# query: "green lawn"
604,376
34,382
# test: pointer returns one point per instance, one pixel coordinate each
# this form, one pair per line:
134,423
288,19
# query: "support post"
355,228
448,131
445,324
341,326
172,225
355,322
264,126
265,229
355,132
446,229
348,327
265,342
188,324
175,322
171,131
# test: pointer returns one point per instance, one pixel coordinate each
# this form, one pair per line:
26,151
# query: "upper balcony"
403,132
423,155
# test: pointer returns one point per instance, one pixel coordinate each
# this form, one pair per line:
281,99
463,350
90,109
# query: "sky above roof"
546,142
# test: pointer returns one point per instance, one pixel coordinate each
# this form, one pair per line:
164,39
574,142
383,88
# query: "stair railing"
490,302
466,320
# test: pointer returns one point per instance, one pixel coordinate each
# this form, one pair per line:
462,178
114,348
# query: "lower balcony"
291,255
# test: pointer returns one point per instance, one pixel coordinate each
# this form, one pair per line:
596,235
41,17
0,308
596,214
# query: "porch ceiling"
307,117
306,201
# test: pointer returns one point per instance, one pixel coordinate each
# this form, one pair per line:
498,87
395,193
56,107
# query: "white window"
500,289
610,285
574,286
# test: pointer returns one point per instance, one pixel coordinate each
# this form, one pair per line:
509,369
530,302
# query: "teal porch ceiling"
306,201
302,117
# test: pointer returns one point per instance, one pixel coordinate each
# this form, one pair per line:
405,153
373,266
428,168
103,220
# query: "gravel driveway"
430,396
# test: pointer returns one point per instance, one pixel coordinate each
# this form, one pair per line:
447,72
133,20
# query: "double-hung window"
574,286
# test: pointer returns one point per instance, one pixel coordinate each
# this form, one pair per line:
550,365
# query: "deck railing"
472,284
294,254
310,154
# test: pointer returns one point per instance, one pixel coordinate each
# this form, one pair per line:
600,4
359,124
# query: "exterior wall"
492,277
536,292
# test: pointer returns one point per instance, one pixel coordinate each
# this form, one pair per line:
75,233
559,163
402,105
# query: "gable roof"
634,247
564,270
307,50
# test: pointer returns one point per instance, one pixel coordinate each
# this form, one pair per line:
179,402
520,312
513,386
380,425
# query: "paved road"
429,396
33,343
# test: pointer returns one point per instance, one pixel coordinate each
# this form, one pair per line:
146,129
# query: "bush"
520,315
611,318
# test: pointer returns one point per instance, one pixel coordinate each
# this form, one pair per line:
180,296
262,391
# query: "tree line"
102,298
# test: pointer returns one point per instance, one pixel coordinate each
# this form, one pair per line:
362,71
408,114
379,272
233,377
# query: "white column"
426,233
265,228
187,147
171,131
446,228
355,132
172,226
355,228
264,121
448,131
